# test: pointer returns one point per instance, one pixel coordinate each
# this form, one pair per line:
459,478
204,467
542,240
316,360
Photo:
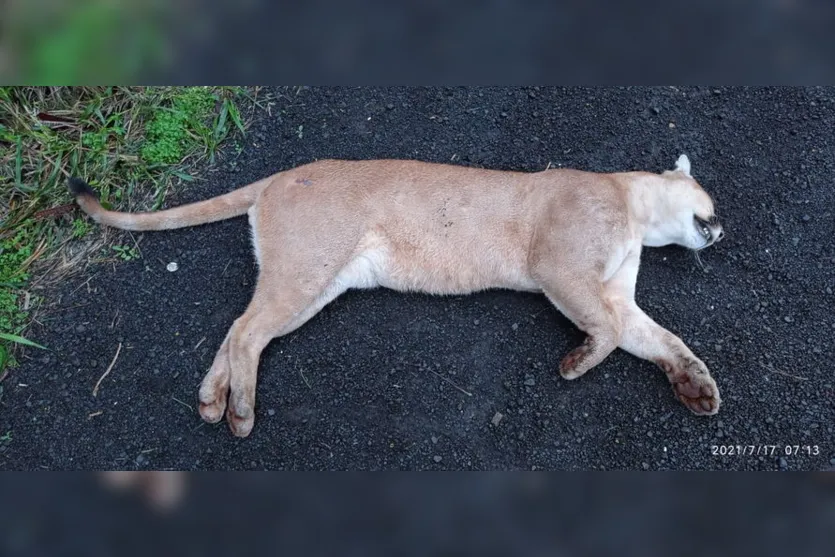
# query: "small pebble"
437,458
171,267
271,412
497,418
530,382
806,218
645,465
783,463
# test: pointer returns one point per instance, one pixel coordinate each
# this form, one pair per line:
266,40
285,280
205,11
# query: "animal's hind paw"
240,416
213,394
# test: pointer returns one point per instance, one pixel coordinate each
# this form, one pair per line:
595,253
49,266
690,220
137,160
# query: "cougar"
324,227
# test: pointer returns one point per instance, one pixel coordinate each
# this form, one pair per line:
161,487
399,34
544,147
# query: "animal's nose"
721,235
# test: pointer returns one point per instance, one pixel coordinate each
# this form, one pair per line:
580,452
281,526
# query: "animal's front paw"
571,365
693,386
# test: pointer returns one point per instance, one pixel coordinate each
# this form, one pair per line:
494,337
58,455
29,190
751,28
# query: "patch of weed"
186,121
80,228
126,253
15,251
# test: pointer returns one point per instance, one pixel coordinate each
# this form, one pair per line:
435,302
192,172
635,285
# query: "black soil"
381,380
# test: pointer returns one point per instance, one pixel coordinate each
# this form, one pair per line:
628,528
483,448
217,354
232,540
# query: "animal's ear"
683,165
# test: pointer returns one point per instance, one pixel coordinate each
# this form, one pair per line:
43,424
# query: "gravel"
352,389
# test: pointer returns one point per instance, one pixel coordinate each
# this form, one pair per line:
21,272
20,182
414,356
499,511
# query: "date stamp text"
764,450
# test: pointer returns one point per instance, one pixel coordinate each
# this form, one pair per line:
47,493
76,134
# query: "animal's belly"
436,271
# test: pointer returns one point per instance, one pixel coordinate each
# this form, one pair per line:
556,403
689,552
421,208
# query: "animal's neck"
649,199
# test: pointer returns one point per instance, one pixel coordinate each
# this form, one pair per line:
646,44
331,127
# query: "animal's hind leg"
270,314
215,385
301,244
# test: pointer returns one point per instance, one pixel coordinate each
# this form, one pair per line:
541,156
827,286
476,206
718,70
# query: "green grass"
15,253
132,144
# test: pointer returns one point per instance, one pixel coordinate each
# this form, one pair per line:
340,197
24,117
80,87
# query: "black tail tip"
79,187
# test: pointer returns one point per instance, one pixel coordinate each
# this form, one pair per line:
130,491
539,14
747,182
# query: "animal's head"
683,211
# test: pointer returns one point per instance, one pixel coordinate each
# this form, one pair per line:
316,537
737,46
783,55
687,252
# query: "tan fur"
325,227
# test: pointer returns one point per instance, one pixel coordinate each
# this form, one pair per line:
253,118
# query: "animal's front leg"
689,376
584,304
580,296
643,337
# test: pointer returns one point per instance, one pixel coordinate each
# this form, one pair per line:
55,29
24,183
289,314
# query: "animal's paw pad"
694,387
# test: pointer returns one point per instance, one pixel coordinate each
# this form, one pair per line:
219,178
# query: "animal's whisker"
699,259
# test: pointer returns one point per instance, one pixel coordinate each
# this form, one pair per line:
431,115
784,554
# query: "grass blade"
18,163
235,115
21,340
220,125
183,176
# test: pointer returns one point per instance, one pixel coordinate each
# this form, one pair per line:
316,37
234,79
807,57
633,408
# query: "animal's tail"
222,207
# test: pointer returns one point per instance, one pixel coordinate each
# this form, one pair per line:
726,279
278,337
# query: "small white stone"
172,266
